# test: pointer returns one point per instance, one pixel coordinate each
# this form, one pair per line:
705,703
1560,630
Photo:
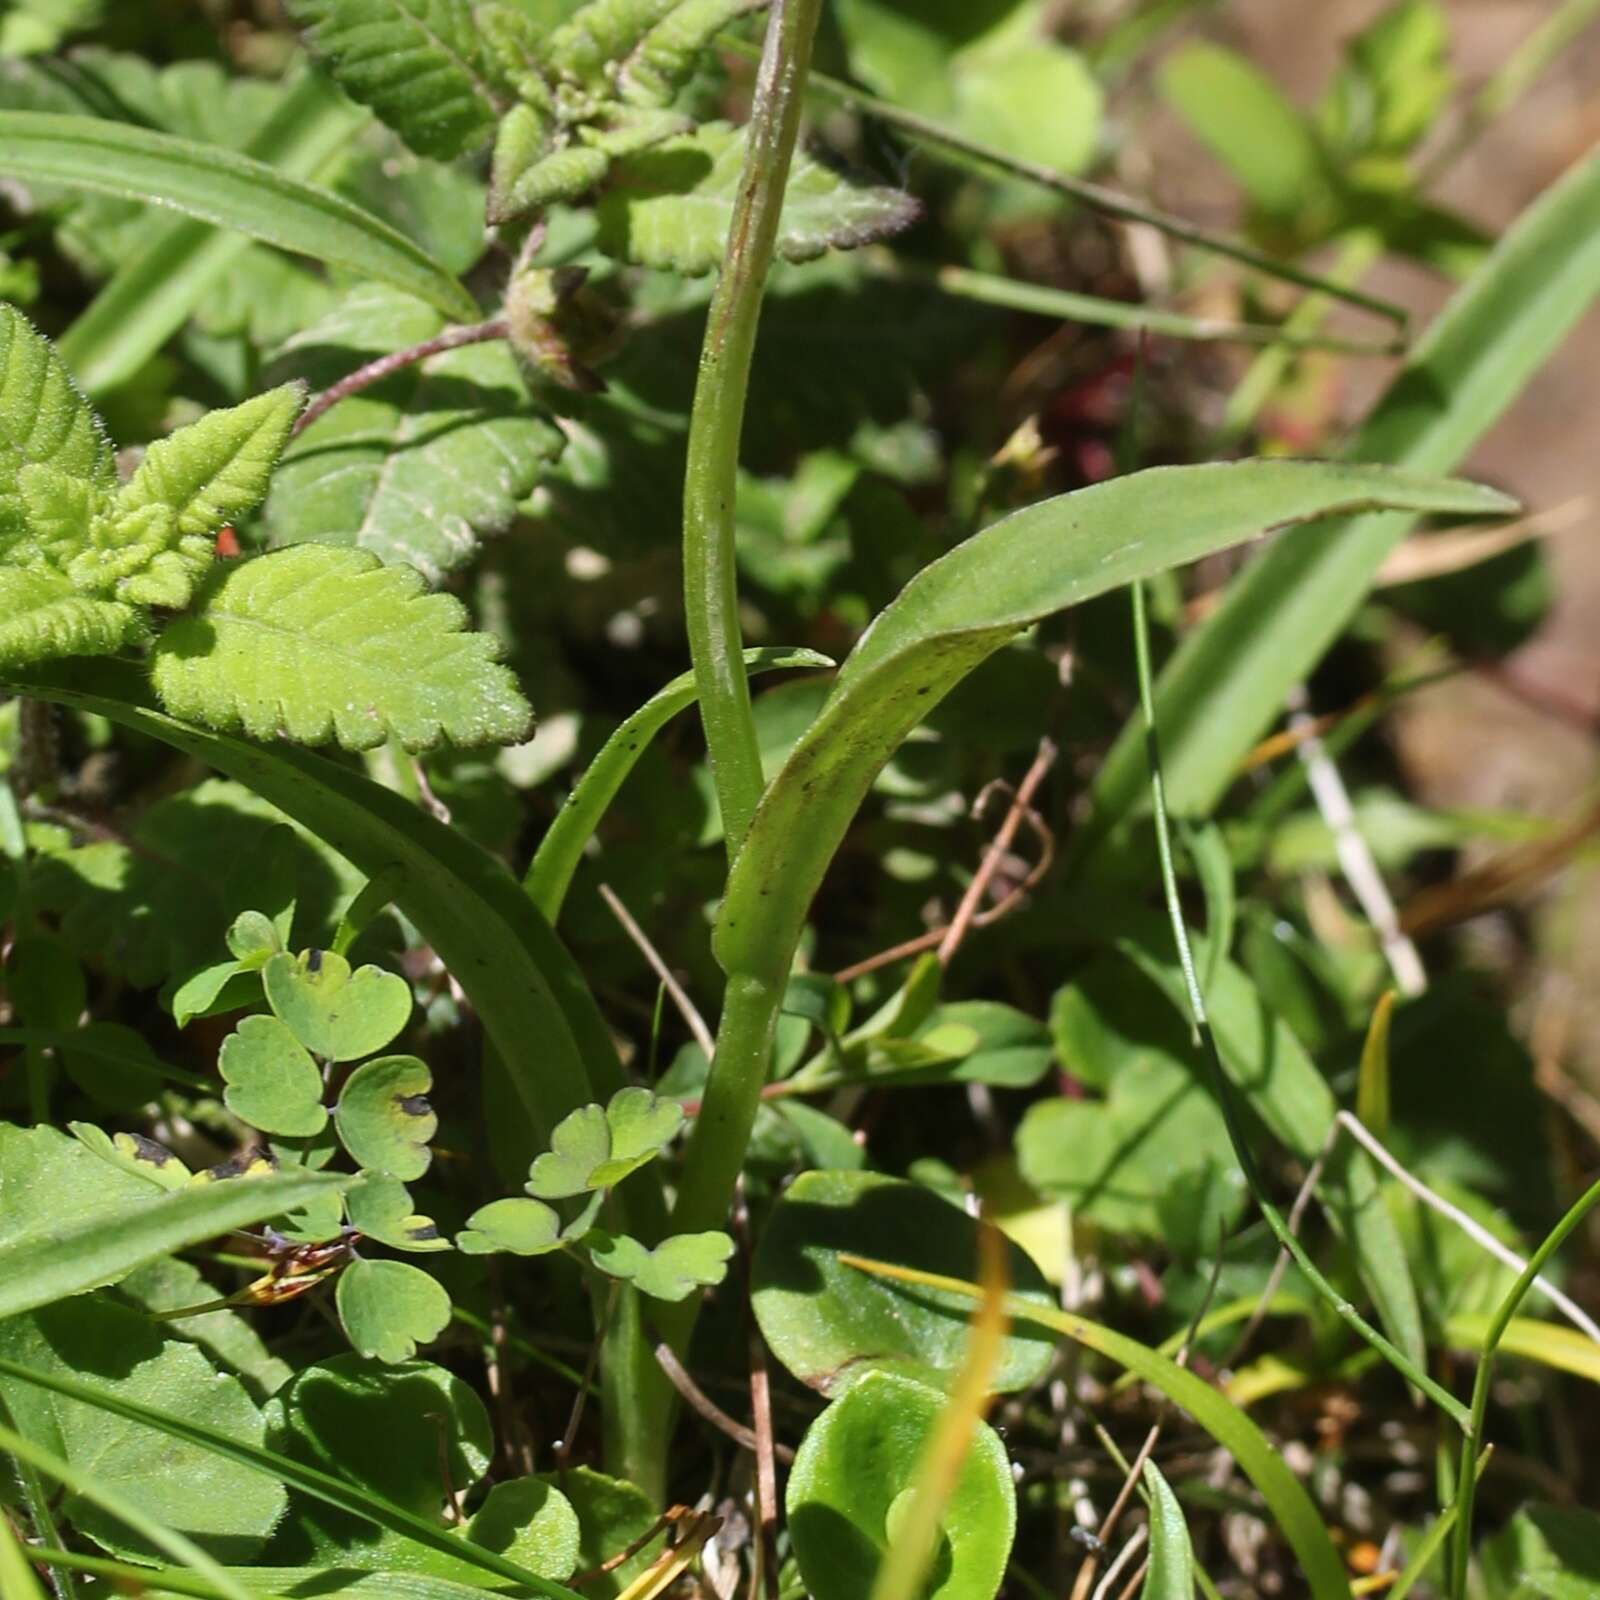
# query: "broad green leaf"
612,1514
420,64
962,608
670,207
223,188
1244,119
1152,1157
134,1153
597,1147
534,1004
384,1118
412,1433
337,1013
1031,97
49,1181
522,1227
272,1082
298,1474
854,1472
44,1257
550,872
829,1325
388,1308
672,1271
225,1508
1545,1552
1230,675
1171,1574
1320,1563
532,1522
317,644
381,1208
419,468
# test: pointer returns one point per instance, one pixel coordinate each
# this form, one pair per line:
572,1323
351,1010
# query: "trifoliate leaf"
595,1148
317,644
335,1012
421,467
216,469
42,616
44,423
254,937
673,1270
523,1227
384,1118
420,64
388,1308
381,1209
272,1082
670,206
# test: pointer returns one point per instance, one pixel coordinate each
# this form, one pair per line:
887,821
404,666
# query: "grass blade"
1171,1575
1283,1493
149,297
167,1540
1230,676
308,1480
16,1576
226,189
43,1268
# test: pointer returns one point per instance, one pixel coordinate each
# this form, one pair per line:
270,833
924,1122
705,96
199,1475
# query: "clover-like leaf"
595,1149
134,1153
671,206
388,1308
212,989
384,1118
522,1227
672,1271
272,1082
254,937
319,644
42,616
381,1209
335,1013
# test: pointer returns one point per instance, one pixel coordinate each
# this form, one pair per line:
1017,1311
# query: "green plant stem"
1346,1312
948,142
1047,301
710,572
1467,1481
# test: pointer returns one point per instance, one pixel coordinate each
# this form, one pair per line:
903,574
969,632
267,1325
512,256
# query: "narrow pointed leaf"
961,609
1171,1574
225,189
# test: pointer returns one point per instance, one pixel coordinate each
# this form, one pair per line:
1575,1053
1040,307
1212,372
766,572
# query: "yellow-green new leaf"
318,644
43,616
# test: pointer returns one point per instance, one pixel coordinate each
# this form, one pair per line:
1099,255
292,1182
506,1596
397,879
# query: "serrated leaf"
272,1082
216,469
381,1209
42,617
388,1308
670,207
336,1012
421,467
44,422
673,1270
317,644
419,64
522,1227
384,1117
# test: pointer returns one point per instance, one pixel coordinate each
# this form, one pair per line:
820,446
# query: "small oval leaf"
384,1118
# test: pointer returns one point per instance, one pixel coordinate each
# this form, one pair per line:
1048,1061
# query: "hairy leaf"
671,206
420,467
317,644
420,64
43,616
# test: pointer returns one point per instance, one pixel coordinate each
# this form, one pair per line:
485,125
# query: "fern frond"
320,644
